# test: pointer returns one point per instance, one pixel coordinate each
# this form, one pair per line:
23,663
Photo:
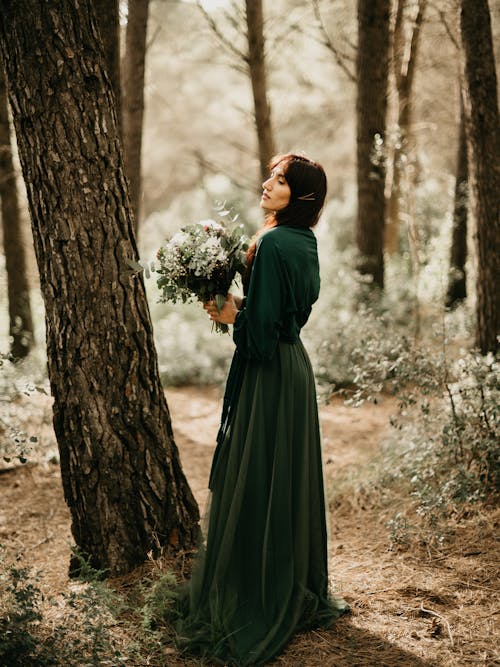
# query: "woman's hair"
308,185
307,181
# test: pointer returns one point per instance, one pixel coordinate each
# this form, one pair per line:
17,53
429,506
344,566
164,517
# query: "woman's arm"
257,326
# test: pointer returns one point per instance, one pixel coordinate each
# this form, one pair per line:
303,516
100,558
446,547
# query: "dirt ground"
409,608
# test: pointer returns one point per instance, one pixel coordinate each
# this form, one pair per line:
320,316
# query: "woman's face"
277,192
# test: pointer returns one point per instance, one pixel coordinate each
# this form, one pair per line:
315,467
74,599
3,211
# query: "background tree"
482,130
252,62
457,278
372,66
406,38
120,468
18,288
257,71
133,98
108,19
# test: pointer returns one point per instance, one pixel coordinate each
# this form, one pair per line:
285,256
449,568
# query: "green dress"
263,572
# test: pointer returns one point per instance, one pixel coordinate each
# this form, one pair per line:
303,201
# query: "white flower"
210,246
178,239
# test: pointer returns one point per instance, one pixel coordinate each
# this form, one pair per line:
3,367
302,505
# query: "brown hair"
308,186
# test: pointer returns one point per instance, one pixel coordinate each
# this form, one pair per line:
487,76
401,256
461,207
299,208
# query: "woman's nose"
266,184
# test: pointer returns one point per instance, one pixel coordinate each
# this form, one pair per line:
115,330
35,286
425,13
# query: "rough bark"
120,467
108,19
483,148
405,56
133,98
21,328
257,69
457,278
372,67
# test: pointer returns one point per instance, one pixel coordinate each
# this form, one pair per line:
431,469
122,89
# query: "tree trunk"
20,320
257,68
457,286
405,54
108,19
371,107
483,147
120,467
133,98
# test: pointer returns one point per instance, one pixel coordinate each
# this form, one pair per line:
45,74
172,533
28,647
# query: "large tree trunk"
120,467
257,68
133,98
18,290
405,55
457,284
482,129
108,19
371,108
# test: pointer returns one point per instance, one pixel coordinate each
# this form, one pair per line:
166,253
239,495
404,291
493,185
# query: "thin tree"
406,39
483,147
457,278
108,19
18,289
257,70
372,66
252,63
120,467
133,98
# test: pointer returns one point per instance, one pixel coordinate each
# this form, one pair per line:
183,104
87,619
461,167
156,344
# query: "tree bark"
21,328
405,55
133,98
483,148
257,69
120,467
108,20
372,67
457,285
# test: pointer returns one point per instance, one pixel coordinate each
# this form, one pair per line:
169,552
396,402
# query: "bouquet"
200,262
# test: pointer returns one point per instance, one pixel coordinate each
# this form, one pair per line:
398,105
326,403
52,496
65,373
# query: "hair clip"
309,197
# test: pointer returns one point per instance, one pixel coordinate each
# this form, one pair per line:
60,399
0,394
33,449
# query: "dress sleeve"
257,326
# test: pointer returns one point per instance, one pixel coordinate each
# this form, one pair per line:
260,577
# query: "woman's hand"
227,314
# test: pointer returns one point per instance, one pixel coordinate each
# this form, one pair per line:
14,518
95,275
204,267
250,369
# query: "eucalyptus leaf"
220,300
135,266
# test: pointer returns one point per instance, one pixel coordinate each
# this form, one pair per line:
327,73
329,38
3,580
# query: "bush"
444,452
81,635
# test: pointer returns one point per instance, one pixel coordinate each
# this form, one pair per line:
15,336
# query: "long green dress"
263,573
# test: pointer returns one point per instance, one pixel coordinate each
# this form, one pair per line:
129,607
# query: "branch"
153,38
449,31
226,43
327,42
219,169
434,613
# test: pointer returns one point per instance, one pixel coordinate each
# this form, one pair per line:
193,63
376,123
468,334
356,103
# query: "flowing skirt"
263,573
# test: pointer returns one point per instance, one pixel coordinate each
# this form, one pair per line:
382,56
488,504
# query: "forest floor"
410,607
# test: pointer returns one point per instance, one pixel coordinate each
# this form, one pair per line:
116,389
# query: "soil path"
409,608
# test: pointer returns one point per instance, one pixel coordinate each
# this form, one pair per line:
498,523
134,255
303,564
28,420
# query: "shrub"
81,635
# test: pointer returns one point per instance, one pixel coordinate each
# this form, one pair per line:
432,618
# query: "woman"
263,574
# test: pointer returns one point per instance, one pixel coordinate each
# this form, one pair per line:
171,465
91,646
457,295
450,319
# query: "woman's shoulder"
290,247
283,235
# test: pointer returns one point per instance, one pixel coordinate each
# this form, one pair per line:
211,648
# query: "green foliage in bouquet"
201,261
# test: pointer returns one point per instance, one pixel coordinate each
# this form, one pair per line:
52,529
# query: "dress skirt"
263,572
